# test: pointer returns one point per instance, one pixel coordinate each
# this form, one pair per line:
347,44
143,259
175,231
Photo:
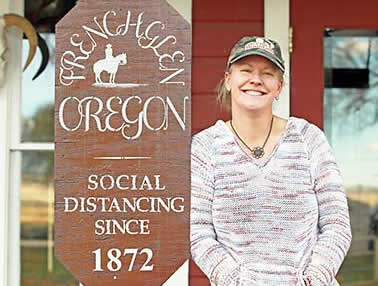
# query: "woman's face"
254,82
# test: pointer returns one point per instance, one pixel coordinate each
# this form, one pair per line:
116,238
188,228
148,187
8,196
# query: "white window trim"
14,164
10,153
9,225
276,26
4,182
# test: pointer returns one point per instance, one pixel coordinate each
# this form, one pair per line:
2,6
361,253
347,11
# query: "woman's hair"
224,95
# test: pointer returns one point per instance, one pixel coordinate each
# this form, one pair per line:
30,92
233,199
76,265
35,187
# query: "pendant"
258,152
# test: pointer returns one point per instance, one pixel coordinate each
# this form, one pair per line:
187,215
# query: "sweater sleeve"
334,232
210,255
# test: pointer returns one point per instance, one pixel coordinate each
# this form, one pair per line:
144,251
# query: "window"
27,147
351,125
35,158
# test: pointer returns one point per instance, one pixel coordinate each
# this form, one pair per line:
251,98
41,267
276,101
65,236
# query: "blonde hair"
224,95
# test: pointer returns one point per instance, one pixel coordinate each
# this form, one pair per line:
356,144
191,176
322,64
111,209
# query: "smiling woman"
254,82
268,202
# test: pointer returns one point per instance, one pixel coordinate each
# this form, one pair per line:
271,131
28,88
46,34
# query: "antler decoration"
29,31
15,20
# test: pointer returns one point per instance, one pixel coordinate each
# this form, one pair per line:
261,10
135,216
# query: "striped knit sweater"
282,222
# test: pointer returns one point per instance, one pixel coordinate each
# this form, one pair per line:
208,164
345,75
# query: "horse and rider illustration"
109,64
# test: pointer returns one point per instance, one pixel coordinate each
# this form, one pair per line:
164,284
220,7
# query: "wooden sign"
123,89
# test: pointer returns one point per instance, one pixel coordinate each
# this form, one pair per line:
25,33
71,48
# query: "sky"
40,91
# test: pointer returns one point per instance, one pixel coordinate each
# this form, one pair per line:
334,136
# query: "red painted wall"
217,26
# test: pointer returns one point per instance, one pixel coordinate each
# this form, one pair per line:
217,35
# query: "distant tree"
43,125
39,165
356,104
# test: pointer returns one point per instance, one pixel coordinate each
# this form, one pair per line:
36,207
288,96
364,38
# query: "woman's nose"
255,78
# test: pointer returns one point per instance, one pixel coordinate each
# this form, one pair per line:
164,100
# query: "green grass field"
357,269
34,269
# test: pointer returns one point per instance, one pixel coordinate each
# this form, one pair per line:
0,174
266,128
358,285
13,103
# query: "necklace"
257,152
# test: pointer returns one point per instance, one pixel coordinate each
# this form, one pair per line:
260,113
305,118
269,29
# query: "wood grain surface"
122,147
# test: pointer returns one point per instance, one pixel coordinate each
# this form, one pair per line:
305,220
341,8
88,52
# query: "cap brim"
262,53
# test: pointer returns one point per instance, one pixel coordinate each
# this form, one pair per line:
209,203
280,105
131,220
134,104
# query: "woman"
268,203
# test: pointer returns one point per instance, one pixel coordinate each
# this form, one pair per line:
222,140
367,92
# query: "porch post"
276,26
9,216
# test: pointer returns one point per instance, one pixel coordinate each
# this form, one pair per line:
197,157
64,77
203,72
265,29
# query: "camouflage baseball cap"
264,47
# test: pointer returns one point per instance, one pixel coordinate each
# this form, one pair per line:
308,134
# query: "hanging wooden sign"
123,90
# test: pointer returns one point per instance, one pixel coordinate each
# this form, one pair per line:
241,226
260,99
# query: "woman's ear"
281,80
280,86
227,77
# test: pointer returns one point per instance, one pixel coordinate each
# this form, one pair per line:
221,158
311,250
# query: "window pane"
351,125
38,263
37,101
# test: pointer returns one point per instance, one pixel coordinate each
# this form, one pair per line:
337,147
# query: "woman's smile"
253,92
